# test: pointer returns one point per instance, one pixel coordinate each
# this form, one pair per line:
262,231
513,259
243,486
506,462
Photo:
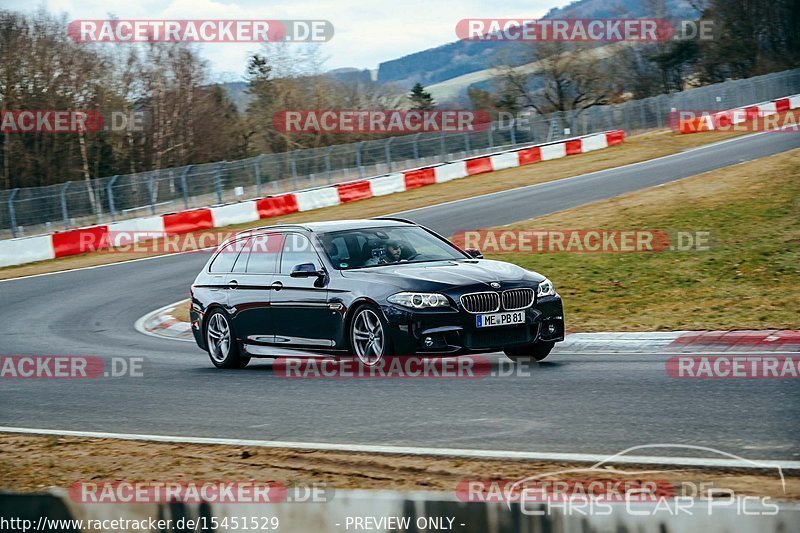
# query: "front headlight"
545,289
419,300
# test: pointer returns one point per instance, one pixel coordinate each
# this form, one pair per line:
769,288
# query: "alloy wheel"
369,339
218,336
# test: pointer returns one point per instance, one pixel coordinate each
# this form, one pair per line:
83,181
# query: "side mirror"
474,253
307,270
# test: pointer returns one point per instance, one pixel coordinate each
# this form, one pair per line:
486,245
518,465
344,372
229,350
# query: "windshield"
366,247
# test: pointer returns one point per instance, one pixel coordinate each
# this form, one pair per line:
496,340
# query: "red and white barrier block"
124,233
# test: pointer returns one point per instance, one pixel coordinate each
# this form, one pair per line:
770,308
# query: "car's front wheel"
221,342
369,335
536,351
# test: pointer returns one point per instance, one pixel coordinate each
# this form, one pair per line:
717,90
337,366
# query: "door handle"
277,285
232,284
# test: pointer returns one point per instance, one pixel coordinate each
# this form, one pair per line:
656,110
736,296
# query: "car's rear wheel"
221,342
536,351
369,335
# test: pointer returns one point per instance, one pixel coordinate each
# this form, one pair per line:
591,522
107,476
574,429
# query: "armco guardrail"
388,511
73,242
30,211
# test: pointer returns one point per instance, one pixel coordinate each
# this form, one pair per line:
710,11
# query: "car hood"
447,273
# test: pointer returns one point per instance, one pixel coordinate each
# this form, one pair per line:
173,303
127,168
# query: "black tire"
536,351
374,316
221,343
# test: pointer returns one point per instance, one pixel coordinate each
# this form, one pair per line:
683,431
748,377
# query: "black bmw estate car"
369,289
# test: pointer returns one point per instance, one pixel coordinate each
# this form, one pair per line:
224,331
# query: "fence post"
644,116
12,216
625,124
151,192
388,149
293,164
361,171
513,131
64,211
218,181
466,143
442,144
110,193
258,174
328,162
185,186
657,112
491,135
415,145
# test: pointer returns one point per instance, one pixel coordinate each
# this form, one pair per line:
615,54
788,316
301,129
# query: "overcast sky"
366,32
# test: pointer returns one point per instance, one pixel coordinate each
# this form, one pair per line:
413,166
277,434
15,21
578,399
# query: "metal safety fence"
33,210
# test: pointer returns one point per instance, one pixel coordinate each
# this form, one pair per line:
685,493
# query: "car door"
299,307
250,284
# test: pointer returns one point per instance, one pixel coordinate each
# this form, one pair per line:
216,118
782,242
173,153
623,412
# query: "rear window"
226,257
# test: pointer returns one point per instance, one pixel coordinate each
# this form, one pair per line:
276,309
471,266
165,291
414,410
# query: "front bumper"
454,331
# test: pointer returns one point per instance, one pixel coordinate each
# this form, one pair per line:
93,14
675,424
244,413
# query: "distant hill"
350,75
448,70
237,93
458,58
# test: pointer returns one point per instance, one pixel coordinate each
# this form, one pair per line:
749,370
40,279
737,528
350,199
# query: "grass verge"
748,279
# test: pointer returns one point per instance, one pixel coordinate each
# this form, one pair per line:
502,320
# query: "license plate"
500,319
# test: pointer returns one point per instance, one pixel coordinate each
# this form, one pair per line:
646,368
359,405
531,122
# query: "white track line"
439,452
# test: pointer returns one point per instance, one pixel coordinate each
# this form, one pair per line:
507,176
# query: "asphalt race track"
571,403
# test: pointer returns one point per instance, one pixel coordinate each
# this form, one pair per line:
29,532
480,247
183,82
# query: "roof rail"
274,226
396,219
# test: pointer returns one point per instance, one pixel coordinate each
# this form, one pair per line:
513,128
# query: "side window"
264,253
297,250
226,257
241,260
337,250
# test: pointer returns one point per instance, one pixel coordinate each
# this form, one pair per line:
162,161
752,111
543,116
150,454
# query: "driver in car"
393,252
